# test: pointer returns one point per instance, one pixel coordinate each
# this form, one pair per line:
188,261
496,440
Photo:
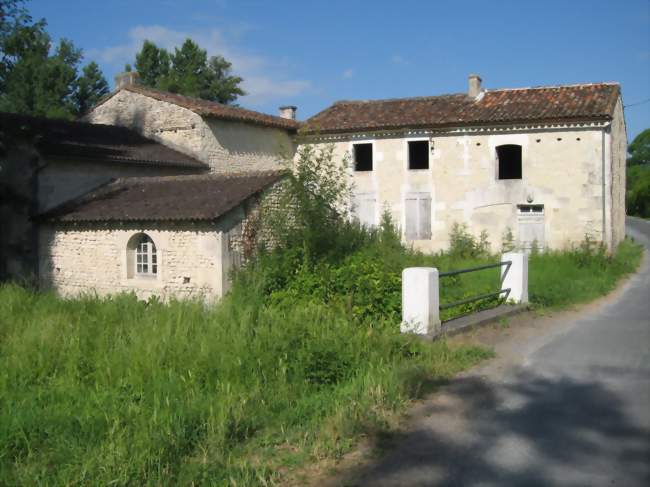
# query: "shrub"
507,241
463,244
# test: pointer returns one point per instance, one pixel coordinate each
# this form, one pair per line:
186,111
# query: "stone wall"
61,180
226,146
562,170
81,258
619,156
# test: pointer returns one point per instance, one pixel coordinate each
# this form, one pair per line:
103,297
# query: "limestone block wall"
226,146
61,180
618,158
562,170
82,258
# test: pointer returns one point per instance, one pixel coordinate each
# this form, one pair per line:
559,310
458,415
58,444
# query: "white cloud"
348,73
263,77
399,60
260,89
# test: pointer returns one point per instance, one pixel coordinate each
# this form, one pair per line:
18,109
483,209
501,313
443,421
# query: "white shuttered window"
417,216
365,205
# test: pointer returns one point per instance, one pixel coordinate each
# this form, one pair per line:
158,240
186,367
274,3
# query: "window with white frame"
417,216
365,208
146,257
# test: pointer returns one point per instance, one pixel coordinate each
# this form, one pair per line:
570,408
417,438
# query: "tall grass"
120,392
561,278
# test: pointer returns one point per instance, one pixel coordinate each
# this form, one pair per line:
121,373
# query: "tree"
225,86
188,71
33,79
91,86
152,63
639,149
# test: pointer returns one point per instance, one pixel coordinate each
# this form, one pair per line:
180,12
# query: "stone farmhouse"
546,163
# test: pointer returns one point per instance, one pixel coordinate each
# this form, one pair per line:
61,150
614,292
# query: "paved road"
573,410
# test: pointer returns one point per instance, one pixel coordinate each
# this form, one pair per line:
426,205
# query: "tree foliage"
311,210
91,86
637,200
38,78
188,71
639,149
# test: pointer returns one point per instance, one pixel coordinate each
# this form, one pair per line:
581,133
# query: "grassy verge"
558,279
119,392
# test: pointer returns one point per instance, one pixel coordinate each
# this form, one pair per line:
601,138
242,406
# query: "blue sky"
311,54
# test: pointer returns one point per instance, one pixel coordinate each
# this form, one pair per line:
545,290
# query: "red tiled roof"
63,138
165,198
207,108
543,104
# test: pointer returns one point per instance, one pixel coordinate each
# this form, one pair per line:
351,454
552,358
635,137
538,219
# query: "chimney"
125,79
474,85
288,111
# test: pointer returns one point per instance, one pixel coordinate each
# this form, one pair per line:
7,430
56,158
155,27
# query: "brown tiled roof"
207,108
166,198
543,104
63,138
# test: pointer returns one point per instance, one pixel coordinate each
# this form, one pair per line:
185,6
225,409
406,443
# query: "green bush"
463,244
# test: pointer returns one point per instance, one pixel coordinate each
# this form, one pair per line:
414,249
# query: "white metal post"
515,276
420,301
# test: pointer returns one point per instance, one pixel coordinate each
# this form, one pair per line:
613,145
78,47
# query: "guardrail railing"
479,297
421,291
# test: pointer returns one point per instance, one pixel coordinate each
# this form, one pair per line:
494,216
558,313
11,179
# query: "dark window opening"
509,161
419,154
530,208
363,157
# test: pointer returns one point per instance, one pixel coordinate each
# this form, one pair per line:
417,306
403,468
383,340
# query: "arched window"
145,254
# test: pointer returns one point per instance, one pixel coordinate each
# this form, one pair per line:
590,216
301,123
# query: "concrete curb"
466,323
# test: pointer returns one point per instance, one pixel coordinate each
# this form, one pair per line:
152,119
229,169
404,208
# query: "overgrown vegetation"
303,354
120,392
560,278
637,197
637,200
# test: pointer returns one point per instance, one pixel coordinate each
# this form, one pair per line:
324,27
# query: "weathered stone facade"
571,186
618,143
226,146
576,172
194,259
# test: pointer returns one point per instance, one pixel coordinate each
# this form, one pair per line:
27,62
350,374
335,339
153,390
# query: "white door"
530,226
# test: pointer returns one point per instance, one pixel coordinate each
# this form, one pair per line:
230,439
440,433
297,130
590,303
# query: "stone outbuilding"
174,236
226,138
44,162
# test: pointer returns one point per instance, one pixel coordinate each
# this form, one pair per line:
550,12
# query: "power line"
637,103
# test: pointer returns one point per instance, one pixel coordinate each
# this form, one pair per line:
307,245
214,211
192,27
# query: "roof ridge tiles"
543,104
210,108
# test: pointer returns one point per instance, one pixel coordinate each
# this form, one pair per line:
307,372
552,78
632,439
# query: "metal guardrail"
506,263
